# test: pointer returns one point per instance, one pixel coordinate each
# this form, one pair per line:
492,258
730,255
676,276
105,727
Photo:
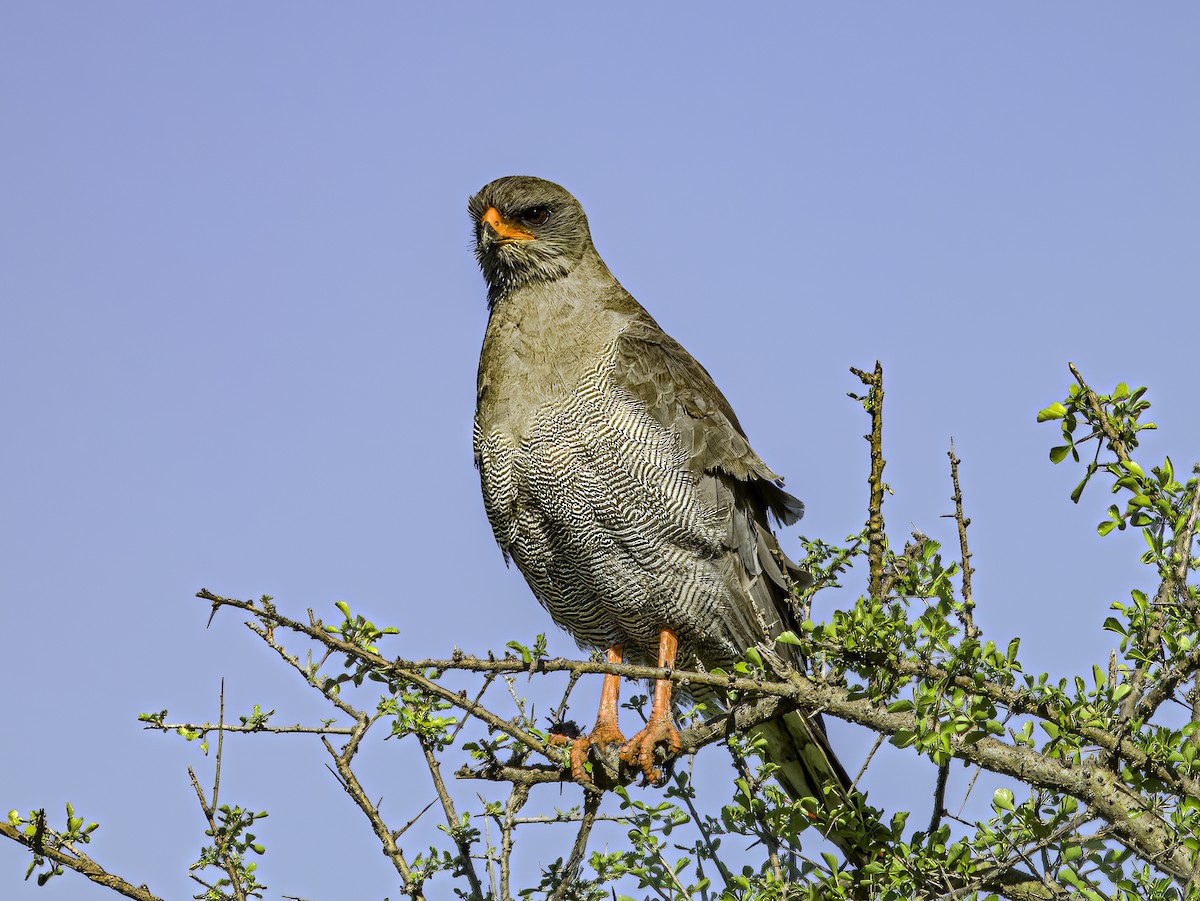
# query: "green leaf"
1075,495
1067,875
1133,467
1058,454
788,637
1054,411
526,657
1105,527
1003,799
1013,647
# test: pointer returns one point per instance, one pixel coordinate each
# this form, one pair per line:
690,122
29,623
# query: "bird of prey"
618,479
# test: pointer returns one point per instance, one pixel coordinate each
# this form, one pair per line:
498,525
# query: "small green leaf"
788,637
1075,495
1112,624
1054,411
1058,454
1013,647
1003,799
1105,527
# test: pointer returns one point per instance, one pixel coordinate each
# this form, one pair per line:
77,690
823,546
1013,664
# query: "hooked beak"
500,230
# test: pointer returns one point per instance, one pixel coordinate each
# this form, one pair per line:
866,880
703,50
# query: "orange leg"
639,750
606,730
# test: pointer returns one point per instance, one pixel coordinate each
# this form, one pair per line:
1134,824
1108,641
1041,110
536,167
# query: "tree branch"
354,789
966,615
873,402
73,859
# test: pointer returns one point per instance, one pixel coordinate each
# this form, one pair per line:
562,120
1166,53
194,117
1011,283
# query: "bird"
618,479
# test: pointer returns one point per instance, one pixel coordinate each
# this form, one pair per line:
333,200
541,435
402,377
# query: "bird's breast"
539,344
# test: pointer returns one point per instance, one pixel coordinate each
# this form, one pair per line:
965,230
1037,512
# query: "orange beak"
505,229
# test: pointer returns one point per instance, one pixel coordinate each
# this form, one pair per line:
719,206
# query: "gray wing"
680,394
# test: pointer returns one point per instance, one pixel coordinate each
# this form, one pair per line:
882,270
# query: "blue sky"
241,323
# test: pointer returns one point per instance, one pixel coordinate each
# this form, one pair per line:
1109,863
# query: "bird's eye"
536,215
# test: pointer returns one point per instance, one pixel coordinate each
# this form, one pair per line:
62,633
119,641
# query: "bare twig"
873,402
866,763
966,615
203,729
591,804
315,630
516,800
454,825
491,856
706,837
487,683
354,789
939,797
572,818
221,849
403,829
220,745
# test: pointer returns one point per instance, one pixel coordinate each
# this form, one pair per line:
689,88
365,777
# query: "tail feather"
807,768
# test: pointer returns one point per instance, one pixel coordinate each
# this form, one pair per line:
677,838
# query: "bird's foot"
640,750
604,734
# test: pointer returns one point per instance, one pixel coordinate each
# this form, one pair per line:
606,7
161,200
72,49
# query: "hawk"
617,477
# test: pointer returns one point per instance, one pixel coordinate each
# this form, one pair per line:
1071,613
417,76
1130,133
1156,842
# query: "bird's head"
527,230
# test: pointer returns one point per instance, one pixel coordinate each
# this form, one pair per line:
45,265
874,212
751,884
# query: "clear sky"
240,325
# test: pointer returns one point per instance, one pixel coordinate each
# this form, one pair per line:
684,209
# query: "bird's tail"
807,768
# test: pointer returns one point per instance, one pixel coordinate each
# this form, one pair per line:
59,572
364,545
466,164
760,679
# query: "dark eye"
536,215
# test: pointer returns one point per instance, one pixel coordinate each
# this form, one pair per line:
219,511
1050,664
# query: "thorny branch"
349,781
1133,822
591,805
221,846
68,855
970,630
873,402
453,823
